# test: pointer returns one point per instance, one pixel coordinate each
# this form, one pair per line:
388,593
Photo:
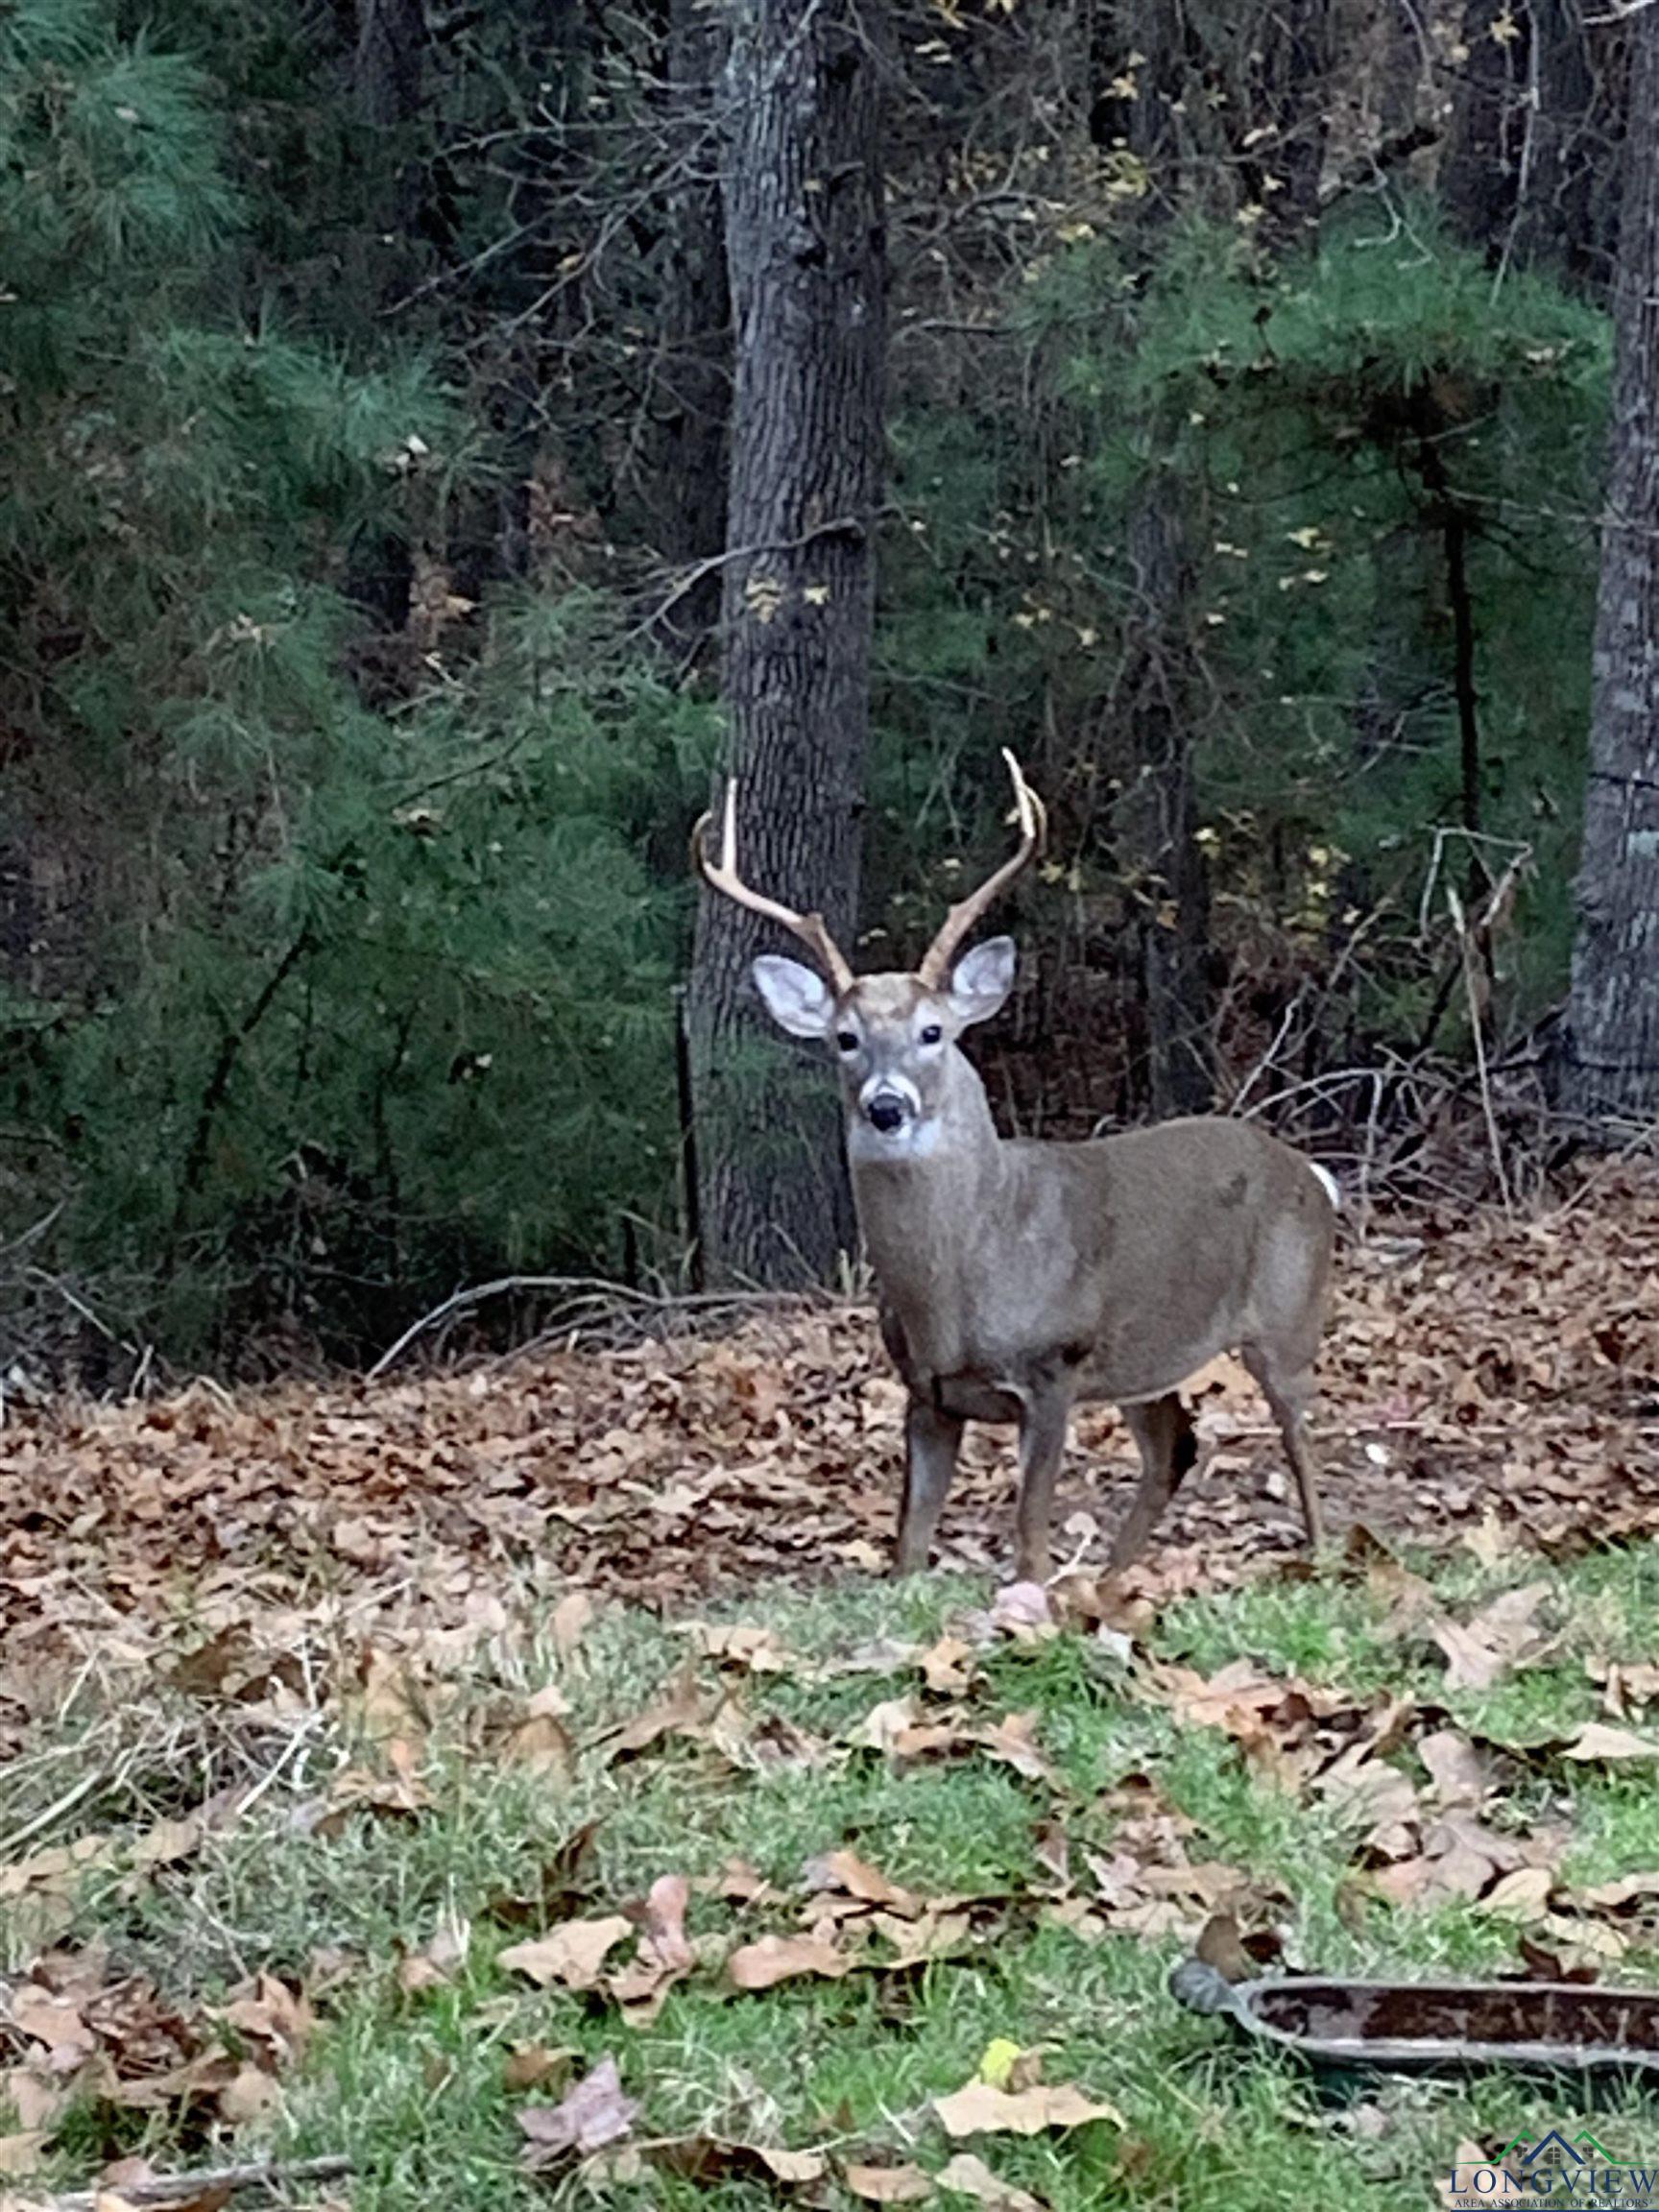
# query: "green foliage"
342,858
358,1002
1317,422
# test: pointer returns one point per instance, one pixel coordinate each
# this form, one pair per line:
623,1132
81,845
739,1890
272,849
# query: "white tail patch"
1333,1189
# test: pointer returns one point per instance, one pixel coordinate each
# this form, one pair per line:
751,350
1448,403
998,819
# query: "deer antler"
1033,828
723,876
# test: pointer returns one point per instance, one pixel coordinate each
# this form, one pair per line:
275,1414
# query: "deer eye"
931,1034
845,1041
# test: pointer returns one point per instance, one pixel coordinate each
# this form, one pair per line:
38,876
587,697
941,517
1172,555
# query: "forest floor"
518,1783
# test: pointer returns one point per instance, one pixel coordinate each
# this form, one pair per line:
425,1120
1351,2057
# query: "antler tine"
723,876
1033,829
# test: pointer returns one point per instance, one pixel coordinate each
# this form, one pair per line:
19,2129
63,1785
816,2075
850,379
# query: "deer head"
894,1034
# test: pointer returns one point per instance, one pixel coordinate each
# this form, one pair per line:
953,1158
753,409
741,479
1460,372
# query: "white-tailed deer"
1018,1277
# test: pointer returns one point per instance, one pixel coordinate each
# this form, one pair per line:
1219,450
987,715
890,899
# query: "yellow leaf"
997,2062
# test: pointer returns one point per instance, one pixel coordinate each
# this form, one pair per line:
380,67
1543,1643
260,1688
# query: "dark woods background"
1219,393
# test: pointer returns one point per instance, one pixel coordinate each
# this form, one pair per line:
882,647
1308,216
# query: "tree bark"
1613,1010
804,258
1159,813
691,396
387,64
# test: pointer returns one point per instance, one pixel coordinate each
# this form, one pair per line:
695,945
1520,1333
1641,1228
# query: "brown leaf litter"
1474,1367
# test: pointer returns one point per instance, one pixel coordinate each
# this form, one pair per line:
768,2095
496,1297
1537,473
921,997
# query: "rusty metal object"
1435,2026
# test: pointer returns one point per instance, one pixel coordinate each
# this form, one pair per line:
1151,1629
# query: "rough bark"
386,65
691,395
1160,810
1613,1010
804,257
1158,818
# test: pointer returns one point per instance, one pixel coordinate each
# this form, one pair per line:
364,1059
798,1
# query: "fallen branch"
165,2189
583,1292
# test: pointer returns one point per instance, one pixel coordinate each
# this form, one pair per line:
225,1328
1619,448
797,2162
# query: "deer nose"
885,1110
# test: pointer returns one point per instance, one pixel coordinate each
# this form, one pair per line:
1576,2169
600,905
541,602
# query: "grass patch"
411,2081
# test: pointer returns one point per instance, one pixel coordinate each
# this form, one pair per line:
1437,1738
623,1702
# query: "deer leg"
933,1439
1163,1433
1288,1393
1044,1417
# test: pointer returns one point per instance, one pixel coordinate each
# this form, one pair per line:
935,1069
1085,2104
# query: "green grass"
412,2087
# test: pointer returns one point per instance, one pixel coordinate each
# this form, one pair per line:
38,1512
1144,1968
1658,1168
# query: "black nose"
885,1113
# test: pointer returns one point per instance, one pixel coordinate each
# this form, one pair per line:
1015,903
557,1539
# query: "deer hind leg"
1288,1388
933,1439
1042,1422
1163,1432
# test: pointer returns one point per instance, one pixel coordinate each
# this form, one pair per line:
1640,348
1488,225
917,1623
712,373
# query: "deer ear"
983,980
797,999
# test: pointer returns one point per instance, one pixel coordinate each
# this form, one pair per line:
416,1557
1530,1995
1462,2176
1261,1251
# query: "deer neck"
924,1209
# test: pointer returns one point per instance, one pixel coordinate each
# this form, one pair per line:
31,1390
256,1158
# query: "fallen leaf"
1013,1738
709,2160
665,1954
1001,2057
1596,1741
678,1712
540,1742
888,2184
572,1617
947,1667
1500,1637
884,1724
1021,1610
775,1958
740,1643
573,1954
1521,1895
250,2094
534,2066
23,2154
846,1871
968,2175
978,2109
592,2114
1455,1768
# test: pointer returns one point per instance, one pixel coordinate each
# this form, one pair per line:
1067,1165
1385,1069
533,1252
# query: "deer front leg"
1042,1422
933,1439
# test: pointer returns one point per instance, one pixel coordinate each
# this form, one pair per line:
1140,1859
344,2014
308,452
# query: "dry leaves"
775,1958
776,1449
573,1954
589,2117
968,2175
1501,1637
979,2109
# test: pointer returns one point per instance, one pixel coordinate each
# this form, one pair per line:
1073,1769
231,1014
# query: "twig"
842,525
52,1814
176,2188
581,1290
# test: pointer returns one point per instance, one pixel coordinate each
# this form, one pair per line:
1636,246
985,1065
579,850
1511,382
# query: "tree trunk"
804,257
387,67
1159,813
684,476
1160,809
1613,1010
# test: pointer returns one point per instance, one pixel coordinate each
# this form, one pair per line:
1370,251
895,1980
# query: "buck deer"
1018,1277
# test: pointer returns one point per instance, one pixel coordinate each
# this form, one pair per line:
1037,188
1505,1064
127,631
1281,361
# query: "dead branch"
164,2189
584,1293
